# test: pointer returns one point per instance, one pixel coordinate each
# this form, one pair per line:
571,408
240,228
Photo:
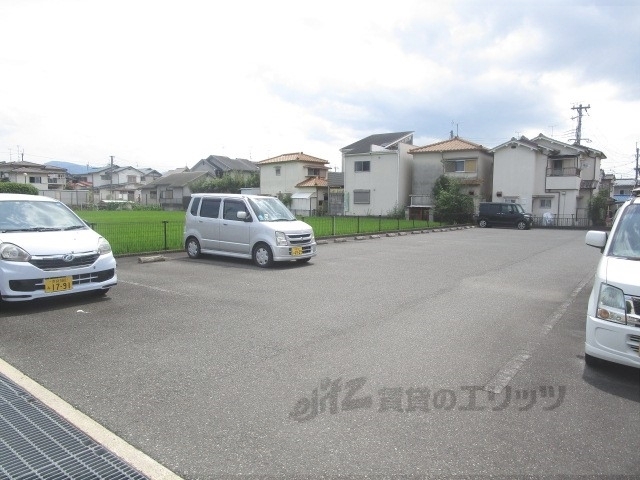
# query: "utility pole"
579,108
637,168
111,177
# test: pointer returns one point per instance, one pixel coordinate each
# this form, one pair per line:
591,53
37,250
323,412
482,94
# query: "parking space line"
158,289
515,363
116,445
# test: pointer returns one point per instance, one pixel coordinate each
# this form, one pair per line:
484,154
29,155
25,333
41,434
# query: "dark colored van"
504,214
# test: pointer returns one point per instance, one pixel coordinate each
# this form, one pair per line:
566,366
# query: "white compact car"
46,250
613,315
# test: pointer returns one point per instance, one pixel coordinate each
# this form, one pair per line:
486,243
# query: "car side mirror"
596,238
244,216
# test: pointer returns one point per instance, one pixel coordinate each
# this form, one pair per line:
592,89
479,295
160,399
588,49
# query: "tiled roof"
30,167
454,144
313,182
293,157
335,179
176,179
227,164
385,140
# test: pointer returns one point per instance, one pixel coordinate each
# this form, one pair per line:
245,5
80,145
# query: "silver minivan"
255,227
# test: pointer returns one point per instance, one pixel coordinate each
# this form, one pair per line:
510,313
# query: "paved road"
451,353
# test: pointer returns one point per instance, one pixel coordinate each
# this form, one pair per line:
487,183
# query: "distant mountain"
72,168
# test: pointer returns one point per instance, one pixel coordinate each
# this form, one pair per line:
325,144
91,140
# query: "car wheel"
262,255
521,225
592,361
193,248
483,223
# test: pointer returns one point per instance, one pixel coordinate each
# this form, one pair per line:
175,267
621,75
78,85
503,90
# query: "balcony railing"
421,200
563,172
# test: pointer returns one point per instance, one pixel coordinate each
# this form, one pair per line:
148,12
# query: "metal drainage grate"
36,443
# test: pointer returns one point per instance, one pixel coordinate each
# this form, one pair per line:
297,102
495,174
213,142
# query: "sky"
162,84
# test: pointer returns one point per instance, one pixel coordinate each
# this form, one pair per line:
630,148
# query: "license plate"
296,251
59,284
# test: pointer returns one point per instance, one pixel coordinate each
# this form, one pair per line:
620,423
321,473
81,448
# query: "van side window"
231,209
210,207
194,206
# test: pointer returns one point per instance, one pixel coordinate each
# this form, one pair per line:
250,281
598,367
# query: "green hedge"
9,187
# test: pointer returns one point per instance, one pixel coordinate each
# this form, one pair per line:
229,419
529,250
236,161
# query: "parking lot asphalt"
188,361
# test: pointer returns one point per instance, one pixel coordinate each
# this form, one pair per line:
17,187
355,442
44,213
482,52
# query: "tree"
230,183
451,205
598,207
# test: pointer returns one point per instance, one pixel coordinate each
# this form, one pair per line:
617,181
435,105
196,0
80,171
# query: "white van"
46,250
246,226
613,313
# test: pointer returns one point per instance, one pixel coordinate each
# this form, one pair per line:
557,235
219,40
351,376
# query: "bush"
396,212
452,206
9,187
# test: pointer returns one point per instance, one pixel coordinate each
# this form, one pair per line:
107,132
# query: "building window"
468,165
363,166
168,194
362,196
545,203
153,194
131,179
277,171
313,172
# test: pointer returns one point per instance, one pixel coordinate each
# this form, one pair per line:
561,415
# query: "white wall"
291,173
514,173
389,181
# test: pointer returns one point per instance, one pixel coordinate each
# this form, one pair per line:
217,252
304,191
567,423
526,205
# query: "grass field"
136,231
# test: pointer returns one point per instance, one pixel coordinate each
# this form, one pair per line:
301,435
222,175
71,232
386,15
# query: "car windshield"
269,209
626,238
25,215
518,208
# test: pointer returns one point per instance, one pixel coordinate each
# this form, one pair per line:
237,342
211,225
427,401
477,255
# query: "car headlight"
103,246
13,253
611,305
281,239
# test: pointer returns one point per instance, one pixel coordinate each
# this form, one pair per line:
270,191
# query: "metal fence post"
165,234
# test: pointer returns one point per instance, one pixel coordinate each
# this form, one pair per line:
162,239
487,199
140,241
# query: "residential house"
622,189
470,164
218,165
335,187
43,177
149,175
377,173
171,192
117,183
546,176
302,176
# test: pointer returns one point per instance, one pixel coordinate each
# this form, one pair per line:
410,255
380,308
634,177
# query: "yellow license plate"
296,250
59,284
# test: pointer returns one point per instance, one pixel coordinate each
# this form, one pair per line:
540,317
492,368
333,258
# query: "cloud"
164,84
